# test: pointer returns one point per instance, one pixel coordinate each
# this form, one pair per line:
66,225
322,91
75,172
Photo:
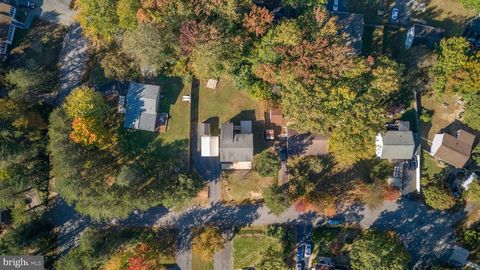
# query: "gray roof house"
395,145
141,107
236,146
351,25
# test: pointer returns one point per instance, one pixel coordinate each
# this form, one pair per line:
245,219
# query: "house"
395,144
453,150
351,26
236,146
306,144
7,26
141,107
420,34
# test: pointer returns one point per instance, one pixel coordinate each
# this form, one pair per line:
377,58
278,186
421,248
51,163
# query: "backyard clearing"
248,246
228,104
240,186
447,14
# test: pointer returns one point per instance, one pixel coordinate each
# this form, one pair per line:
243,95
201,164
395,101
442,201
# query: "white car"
395,14
335,5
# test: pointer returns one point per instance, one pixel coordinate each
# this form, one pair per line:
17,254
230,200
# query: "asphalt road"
72,62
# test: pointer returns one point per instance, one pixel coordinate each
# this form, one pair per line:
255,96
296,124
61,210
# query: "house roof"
141,108
307,144
427,35
454,151
235,147
5,20
351,25
276,117
209,146
397,145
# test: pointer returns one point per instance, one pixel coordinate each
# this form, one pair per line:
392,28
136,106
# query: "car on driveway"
335,5
308,250
395,14
300,251
334,221
299,265
412,165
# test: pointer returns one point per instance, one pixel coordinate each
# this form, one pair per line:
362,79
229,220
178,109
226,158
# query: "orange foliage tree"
258,20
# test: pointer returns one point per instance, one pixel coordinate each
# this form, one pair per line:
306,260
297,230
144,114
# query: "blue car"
334,221
299,266
300,251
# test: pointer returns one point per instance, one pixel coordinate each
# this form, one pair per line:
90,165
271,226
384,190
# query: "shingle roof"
397,145
235,147
453,150
141,107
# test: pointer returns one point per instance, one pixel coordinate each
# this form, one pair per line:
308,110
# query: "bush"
275,199
426,116
438,197
266,164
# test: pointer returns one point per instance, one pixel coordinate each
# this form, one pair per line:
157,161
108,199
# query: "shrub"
266,164
275,199
438,197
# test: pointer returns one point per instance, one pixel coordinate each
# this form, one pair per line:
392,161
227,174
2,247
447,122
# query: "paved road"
72,62
57,11
223,259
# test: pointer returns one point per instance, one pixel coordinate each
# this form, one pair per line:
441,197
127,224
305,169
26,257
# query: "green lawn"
447,14
174,142
241,186
249,245
225,104
430,165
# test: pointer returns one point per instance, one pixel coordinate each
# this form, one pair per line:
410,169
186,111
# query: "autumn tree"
438,197
127,13
98,19
473,192
376,250
88,112
117,65
258,20
209,240
152,47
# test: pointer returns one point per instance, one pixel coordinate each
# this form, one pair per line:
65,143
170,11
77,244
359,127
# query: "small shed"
212,84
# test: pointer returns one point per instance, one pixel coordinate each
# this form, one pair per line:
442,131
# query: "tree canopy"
378,251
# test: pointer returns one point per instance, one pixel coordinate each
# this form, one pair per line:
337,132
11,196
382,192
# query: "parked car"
335,5
325,261
308,250
29,4
283,153
413,164
299,265
300,251
395,14
334,221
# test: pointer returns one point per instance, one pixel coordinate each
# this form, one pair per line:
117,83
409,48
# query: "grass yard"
447,14
198,263
174,142
243,186
225,104
429,165
248,245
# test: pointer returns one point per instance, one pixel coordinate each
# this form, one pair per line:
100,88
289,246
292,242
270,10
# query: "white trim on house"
378,145
437,142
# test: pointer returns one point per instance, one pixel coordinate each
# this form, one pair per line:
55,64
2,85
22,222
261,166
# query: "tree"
98,19
209,60
438,197
471,4
473,192
472,111
270,260
266,164
378,251
258,20
152,47
209,240
471,238
127,13
276,199
129,176
118,66
185,188
476,155
88,111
